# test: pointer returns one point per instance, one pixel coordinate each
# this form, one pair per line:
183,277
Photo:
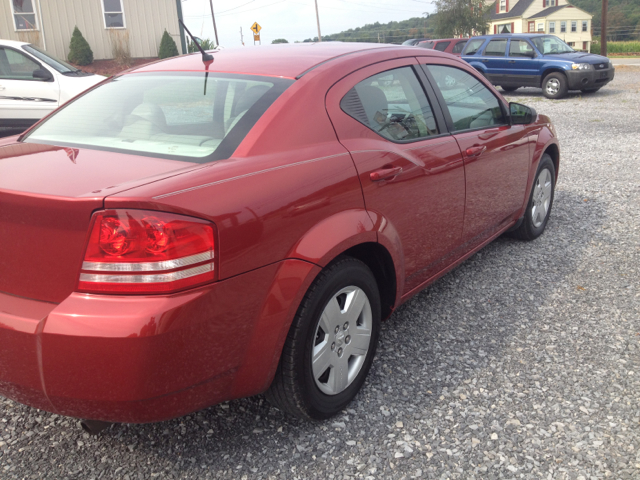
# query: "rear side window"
520,48
180,116
473,46
470,104
442,46
426,44
496,48
458,47
392,104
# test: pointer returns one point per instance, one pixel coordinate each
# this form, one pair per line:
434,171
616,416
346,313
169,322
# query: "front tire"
540,202
331,343
555,85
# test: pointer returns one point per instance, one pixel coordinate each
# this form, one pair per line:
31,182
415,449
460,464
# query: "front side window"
563,27
24,15
113,13
472,47
458,47
496,48
55,63
574,26
584,25
180,116
442,46
392,104
16,66
552,27
520,48
470,104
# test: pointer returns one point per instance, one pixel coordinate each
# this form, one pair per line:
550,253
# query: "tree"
280,40
80,52
168,47
460,17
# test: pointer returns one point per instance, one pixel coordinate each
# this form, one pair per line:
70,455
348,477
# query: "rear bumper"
149,358
589,79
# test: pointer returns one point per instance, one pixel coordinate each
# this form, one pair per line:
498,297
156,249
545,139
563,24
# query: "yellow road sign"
256,38
256,28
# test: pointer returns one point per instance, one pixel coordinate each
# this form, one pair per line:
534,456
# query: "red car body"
453,46
297,192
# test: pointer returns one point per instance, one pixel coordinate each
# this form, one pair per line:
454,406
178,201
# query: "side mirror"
42,75
521,114
531,54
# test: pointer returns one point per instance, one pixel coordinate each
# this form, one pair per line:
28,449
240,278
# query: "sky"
292,19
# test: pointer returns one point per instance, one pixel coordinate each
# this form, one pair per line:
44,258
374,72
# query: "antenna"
206,57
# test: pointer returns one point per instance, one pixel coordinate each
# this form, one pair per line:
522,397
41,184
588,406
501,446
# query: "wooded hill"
392,32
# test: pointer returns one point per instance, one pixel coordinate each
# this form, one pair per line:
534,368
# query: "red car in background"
454,46
188,233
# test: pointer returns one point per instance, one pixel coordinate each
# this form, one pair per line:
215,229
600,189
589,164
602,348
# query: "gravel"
524,362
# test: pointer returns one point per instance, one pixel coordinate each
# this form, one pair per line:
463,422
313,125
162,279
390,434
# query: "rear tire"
331,343
555,85
538,209
509,89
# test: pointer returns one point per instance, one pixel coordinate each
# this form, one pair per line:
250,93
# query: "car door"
410,168
495,60
23,97
496,154
523,67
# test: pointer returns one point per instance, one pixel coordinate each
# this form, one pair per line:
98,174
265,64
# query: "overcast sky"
292,19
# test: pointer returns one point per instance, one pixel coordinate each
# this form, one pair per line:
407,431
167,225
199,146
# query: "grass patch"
617,47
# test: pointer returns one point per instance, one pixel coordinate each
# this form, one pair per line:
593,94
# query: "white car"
33,83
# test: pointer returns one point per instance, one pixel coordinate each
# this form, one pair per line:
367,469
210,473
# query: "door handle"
512,61
475,151
384,173
484,61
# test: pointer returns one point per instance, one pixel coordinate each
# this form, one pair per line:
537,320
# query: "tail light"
138,251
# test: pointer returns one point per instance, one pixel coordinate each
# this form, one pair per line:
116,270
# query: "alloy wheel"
541,197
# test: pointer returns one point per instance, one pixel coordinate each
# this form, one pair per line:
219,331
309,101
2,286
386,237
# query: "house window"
574,26
546,3
541,27
552,27
24,15
503,5
113,13
506,28
532,27
563,27
572,44
584,25
553,3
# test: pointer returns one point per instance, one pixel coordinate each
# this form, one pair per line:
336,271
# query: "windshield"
59,65
550,45
177,115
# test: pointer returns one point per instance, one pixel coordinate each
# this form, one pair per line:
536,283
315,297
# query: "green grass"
617,47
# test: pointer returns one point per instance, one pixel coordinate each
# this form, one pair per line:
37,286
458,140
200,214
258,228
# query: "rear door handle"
484,61
475,151
512,61
384,173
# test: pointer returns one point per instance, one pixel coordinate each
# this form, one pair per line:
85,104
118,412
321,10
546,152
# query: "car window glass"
458,47
470,103
426,44
551,45
16,66
442,46
520,48
473,46
392,104
496,48
181,116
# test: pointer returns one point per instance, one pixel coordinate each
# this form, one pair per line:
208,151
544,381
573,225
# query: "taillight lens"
139,251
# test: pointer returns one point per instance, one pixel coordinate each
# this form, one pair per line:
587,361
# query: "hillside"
623,17
392,32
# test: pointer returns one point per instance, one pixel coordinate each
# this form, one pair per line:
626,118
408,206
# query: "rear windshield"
176,115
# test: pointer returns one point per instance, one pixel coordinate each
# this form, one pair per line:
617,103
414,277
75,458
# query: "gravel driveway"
524,362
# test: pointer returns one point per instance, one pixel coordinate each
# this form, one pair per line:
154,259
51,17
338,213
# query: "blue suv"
536,60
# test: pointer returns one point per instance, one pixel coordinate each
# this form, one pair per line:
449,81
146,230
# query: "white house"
557,17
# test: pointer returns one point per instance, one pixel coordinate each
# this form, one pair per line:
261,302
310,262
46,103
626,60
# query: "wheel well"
554,153
548,71
379,260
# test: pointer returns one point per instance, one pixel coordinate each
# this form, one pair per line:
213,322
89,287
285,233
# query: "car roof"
282,60
12,43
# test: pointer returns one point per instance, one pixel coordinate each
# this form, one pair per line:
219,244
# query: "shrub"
280,40
79,50
205,43
168,46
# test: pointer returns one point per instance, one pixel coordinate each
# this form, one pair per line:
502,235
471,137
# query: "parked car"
454,46
184,234
33,83
536,60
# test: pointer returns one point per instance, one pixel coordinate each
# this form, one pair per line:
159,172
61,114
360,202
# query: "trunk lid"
47,196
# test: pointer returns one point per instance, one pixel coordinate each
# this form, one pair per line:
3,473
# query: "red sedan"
188,233
454,46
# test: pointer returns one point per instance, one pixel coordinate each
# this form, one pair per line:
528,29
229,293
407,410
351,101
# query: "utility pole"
603,28
318,20
213,17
